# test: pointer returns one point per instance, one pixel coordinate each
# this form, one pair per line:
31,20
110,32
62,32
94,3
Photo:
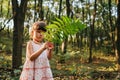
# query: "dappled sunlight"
75,66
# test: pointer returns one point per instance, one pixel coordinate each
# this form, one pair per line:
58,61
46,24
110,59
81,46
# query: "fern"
62,28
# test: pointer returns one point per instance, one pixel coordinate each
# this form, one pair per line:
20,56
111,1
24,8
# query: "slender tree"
59,15
92,32
35,12
60,8
1,8
1,14
8,14
41,12
68,14
112,26
118,33
19,11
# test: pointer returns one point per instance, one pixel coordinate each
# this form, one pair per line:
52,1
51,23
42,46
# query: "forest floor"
71,66
76,68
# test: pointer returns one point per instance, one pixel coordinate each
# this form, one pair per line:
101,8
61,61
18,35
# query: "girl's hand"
48,45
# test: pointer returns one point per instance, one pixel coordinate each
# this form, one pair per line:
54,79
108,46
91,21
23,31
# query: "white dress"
38,69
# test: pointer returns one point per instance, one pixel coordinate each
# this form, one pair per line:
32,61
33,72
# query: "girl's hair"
40,25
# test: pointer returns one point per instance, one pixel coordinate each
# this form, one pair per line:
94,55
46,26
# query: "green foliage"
4,62
5,42
62,28
74,68
2,46
4,5
26,34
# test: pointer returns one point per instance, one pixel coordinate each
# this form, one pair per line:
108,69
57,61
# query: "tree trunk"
68,7
92,32
57,44
41,13
64,44
78,39
35,11
8,14
18,17
118,34
1,9
68,14
112,27
60,8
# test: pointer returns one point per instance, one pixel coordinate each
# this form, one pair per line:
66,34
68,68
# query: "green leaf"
60,21
60,29
57,23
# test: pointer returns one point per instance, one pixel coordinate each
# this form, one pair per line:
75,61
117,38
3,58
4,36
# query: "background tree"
59,16
19,10
41,11
68,10
92,31
101,26
118,33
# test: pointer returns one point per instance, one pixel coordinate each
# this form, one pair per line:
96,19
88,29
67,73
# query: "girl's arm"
49,54
33,55
50,49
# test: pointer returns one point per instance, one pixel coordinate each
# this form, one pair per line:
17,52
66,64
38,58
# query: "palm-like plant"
62,28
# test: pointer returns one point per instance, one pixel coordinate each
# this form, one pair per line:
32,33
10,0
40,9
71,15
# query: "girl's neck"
36,41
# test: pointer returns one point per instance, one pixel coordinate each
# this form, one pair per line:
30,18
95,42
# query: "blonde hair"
39,25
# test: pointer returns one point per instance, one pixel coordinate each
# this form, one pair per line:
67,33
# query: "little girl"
36,66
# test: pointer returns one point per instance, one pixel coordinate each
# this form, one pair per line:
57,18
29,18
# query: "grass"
75,67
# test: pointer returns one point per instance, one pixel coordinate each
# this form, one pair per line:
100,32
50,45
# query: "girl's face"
38,35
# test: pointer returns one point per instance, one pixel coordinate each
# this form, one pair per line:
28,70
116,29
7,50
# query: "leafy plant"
62,28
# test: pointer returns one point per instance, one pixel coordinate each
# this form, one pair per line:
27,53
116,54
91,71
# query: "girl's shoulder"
29,42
